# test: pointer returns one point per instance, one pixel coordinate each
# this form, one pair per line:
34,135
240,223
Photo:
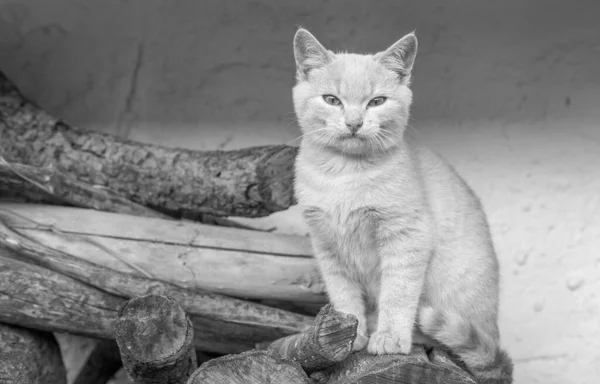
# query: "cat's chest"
344,213
342,195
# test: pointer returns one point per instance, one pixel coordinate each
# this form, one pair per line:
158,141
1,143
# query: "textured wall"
508,91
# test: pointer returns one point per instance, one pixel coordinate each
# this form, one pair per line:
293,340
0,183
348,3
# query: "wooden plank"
256,275
29,356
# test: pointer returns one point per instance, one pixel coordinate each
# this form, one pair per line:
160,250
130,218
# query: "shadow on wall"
507,91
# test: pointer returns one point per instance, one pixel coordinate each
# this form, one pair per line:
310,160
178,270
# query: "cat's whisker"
385,135
393,134
388,148
415,130
283,146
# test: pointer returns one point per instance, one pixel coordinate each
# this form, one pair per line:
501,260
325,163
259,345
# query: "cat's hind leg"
477,347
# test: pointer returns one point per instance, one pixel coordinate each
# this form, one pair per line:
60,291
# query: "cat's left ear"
309,53
400,57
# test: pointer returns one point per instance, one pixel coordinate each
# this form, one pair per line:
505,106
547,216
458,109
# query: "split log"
35,297
416,368
326,343
234,262
29,356
155,338
102,364
254,367
250,182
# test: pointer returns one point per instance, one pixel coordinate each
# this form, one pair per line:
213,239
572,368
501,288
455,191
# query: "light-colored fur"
399,237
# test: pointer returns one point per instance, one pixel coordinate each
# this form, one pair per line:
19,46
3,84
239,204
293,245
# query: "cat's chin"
354,146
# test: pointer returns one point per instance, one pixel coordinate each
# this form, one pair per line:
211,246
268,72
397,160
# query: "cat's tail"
479,351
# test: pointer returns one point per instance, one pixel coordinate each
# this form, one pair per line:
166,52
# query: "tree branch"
250,182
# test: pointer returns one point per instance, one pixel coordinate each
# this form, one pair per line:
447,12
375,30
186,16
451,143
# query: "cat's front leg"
345,295
404,253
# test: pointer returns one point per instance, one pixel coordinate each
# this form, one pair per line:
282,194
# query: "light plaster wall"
508,91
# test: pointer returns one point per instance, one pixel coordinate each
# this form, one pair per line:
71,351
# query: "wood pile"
130,243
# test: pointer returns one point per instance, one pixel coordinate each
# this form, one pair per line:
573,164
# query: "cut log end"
155,338
253,367
328,341
336,332
28,356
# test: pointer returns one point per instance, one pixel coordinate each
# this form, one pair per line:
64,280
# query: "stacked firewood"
129,243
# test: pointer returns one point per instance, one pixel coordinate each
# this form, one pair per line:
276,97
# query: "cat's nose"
354,126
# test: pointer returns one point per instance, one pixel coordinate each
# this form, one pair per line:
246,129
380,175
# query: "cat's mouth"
352,136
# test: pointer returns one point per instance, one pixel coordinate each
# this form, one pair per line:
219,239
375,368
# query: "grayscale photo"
299,192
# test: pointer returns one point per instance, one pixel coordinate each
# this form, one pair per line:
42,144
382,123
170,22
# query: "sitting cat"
399,237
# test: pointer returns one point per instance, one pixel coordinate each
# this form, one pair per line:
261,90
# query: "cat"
401,240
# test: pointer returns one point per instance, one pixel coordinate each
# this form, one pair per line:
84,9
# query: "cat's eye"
377,101
332,100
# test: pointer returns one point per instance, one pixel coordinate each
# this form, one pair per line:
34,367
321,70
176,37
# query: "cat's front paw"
360,342
388,343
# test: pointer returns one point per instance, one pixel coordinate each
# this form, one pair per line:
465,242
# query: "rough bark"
416,368
155,338
250,182
326,343
102,364
29,356
254,367
48,185
35,297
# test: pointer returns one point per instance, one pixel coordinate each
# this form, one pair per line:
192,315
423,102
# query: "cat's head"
352,103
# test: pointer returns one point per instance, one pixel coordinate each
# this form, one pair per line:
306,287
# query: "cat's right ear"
309,53
400,57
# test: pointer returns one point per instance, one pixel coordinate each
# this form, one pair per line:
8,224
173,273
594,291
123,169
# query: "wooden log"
155,338
36,297
253,367
49,185
29,356
326,343
102,364
249,182
234,262
99,274
416,368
